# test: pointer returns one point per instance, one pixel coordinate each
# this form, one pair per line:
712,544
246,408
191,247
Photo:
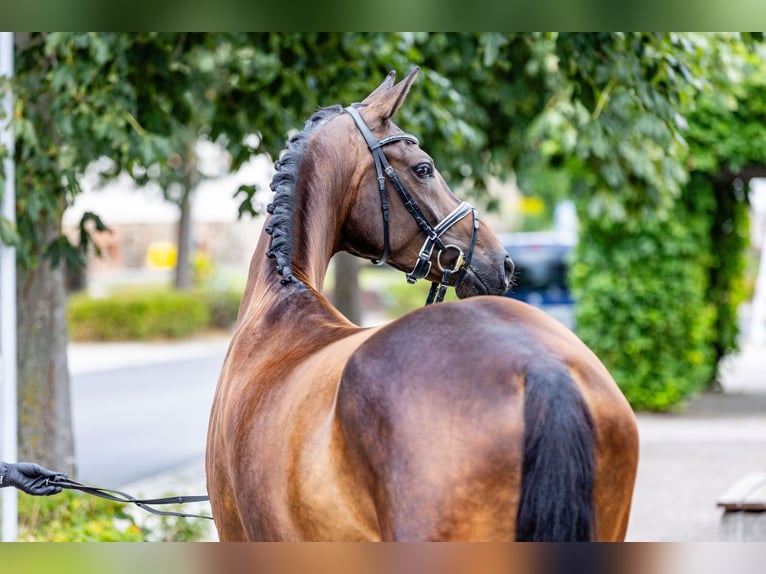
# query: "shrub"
75,517
137,316
651,282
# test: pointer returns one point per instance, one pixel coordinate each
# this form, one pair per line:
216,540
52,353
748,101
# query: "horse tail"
556,502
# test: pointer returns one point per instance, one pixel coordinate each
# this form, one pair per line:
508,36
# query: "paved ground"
687,459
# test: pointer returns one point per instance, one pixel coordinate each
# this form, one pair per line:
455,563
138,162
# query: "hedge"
75,517
652,290
657,299
149,315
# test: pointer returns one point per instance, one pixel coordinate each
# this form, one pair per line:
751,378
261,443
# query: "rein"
433,240
144,503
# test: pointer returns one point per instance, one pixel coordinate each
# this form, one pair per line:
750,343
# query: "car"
542,262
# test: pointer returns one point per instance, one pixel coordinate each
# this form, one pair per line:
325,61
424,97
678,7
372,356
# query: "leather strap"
144,503
383,167
433,234
423,265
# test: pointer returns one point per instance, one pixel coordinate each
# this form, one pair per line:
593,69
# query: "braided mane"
283,184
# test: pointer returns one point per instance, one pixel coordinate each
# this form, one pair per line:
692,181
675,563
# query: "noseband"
433,233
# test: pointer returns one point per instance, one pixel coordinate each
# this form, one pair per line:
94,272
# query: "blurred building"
143,224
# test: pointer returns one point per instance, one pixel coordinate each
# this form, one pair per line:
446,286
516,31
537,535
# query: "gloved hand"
29,477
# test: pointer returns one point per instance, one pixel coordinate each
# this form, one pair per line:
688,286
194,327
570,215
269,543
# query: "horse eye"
423,170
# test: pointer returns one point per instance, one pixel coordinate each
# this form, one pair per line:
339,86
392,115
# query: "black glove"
29,477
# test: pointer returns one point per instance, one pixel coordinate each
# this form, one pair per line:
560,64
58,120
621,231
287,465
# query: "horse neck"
317,218
295,308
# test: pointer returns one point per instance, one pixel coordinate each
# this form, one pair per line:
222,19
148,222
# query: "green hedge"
642,305
658,298
76,517
149,315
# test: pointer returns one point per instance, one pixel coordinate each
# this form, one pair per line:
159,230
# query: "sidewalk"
687,460
189,479
90,357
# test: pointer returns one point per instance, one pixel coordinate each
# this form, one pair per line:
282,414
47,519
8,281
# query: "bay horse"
479,419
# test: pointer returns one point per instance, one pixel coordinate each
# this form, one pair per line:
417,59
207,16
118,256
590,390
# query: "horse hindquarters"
556,503
437,448
500,441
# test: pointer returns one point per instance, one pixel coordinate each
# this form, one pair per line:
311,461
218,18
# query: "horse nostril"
509,268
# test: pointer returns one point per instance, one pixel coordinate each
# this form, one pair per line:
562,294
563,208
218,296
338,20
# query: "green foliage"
137,316
652,285
660,278
615,128
147,315
727,139
74,517
72,106
724,210
726,131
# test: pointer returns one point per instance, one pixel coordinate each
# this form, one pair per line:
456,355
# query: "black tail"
557,473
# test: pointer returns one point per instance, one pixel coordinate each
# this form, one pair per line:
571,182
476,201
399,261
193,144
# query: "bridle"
433,233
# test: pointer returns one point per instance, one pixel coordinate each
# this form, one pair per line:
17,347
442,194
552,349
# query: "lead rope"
143,503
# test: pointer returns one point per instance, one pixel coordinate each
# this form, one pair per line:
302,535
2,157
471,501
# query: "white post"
758,309
9,449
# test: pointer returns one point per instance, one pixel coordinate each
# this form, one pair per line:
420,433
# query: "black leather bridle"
433,233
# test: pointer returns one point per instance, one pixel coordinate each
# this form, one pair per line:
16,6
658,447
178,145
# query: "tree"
662,206
618,115
66,114
726,138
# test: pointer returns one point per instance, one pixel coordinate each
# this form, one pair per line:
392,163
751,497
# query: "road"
135,421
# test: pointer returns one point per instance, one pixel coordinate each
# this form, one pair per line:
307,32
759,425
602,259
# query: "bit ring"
459,262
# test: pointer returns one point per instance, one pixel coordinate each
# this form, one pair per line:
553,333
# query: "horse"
481,419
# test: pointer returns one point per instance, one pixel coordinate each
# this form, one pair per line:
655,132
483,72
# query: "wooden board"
748,493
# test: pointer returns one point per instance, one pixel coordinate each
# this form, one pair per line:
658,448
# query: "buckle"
422,268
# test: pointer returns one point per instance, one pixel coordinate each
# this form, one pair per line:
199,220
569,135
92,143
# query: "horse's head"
425,228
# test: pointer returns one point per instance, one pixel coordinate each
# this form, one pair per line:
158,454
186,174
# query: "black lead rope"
144,503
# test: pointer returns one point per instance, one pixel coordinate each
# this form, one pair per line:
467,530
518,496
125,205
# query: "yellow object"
161,255
532,205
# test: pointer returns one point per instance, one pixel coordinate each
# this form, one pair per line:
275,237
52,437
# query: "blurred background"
623,171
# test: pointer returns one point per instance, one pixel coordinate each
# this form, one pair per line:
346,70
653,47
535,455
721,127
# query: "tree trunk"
348,298
44,405
45,411
183,280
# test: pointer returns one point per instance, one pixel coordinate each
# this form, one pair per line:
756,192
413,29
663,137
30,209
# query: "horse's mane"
283,184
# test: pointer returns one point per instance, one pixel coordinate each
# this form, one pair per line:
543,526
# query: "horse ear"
387,98
382,89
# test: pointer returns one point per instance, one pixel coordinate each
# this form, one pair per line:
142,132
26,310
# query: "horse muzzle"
473,281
